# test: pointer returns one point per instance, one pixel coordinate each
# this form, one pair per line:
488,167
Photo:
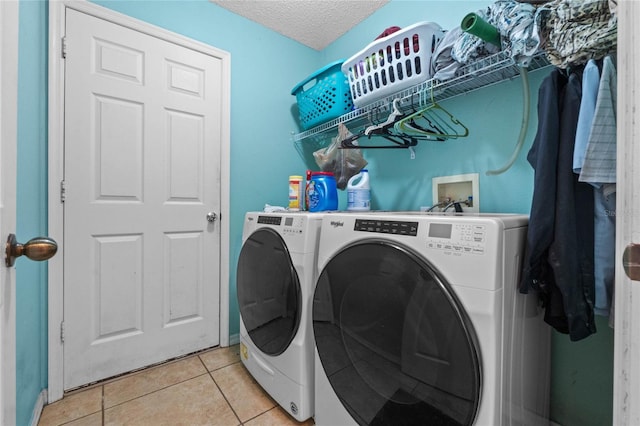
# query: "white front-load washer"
275,278
417,320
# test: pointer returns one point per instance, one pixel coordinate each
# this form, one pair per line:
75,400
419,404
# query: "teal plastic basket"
323,96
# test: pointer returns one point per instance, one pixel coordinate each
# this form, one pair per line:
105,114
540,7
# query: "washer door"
393,340
268,292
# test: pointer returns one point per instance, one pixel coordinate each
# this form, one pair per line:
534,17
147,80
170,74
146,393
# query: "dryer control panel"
270,220
457,237
387,226
287,224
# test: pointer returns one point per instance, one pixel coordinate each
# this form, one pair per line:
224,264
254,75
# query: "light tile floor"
209,388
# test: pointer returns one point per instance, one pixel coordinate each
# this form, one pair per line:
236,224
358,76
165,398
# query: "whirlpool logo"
336,223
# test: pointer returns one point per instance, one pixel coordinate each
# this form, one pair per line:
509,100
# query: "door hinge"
63,191
64,47
62,332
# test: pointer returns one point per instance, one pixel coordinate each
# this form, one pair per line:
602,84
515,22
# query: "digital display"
270,220
387,227
440,230
288,221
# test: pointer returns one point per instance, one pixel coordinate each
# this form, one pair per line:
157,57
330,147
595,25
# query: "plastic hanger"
382,128
431,122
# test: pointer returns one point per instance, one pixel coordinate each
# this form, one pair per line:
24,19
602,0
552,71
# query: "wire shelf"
484,72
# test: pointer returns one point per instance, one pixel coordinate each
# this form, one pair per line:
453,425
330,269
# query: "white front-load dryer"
275,278
417,320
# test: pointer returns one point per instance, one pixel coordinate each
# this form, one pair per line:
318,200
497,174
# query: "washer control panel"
464,238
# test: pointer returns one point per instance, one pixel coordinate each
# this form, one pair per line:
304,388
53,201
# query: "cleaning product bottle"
322,192
358,192
296,191
306,190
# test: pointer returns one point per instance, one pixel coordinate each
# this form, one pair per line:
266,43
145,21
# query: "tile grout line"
140,370
275,407
154,391
75,419
103,407
240,423
154,367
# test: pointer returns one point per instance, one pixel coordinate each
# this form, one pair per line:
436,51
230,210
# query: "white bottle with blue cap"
358,192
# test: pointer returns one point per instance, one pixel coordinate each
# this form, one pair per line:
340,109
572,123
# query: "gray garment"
443,66
516,24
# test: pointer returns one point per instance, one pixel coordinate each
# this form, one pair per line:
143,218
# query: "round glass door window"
393,340
268,292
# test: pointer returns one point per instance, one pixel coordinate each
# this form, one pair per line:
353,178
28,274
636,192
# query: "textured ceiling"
314,23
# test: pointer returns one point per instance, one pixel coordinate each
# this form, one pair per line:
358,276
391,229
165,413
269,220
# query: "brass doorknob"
631,261
39,248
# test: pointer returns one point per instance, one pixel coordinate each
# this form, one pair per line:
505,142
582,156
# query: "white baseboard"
37,409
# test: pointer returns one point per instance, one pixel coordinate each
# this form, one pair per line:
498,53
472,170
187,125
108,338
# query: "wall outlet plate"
459,188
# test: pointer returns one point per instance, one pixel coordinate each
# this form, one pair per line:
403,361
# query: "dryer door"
393,341
268,291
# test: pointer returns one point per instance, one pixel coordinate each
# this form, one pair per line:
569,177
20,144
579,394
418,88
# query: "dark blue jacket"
559,258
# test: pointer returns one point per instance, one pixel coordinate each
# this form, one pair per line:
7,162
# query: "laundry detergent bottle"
359,192
322,192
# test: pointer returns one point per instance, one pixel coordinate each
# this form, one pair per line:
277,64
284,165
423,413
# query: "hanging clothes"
599,169
599,165
560,242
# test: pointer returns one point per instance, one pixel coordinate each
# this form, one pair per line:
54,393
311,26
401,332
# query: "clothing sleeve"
543,157
590,83
572,251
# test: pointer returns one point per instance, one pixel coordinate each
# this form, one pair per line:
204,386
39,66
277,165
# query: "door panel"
124,147
142,170
182,256
117,287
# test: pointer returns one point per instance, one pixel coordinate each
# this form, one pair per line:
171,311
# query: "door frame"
8,132
56,168
626,370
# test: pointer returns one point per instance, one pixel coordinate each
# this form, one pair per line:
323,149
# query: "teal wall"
31,277
265,66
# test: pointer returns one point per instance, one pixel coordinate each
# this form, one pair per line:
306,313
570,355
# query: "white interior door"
8,124
141,175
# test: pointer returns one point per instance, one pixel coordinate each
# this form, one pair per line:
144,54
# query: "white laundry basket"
393,63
